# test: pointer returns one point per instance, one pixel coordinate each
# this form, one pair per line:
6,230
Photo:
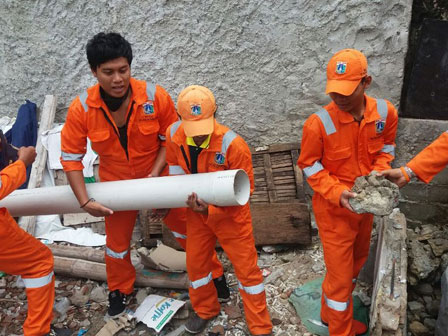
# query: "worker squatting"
137,132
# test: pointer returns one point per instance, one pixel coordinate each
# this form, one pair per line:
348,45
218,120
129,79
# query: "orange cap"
196,106
345,70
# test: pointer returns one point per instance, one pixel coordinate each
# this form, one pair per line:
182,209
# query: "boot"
195,324
222,289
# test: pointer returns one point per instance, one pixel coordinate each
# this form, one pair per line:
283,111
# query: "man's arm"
73,149
319,178
425,165
238,156
76,181
166,116
14,175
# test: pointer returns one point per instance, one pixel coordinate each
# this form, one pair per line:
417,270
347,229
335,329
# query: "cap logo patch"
341,67
379,125
220,158
148,107
196,109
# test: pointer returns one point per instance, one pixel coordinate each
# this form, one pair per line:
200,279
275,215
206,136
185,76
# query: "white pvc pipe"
223,188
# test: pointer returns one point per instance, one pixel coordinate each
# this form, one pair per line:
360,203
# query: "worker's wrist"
87,202
408,173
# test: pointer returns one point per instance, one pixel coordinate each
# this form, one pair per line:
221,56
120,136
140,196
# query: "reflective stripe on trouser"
176,221
238,243
345,239
119,269
24,255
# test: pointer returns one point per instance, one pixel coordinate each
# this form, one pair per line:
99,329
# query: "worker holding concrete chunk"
424,166
22,254
199,144
348,138
126,120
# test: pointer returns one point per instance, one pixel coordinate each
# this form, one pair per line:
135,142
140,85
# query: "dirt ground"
284,268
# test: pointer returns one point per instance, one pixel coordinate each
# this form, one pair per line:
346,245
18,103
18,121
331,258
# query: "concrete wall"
265,60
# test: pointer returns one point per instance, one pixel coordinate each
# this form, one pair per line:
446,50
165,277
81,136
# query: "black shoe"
117,304
195,324
222,289
60,332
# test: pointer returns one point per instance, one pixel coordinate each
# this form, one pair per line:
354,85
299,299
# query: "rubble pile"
428,259
80,304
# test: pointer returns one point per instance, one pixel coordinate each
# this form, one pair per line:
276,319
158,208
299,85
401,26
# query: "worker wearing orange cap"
22,254
199,144
427,164
125,120
349,137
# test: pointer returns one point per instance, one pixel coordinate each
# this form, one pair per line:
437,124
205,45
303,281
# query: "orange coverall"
335,150
431,160
22,254
88,116
231,226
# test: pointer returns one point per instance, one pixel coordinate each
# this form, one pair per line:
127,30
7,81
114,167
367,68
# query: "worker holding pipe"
424,166
125,120
348,138
199,144
22,254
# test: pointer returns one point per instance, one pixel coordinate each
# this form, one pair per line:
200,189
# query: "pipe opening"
241,187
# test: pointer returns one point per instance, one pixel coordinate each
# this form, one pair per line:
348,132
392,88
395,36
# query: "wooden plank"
168,239
298,174
275,148
46,123
269,178
80,218
291,220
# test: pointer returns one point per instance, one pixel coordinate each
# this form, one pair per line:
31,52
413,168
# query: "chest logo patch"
220,158
341,68
379,125
196,109
148,107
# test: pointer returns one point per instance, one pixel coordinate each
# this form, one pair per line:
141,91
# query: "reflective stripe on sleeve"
116,255
150,90
38,282
71,156
176,170
315,168
253,290
83,100
227,140
201,282
326,120
381,107
390,149
174,128
336,305
179,235
162,137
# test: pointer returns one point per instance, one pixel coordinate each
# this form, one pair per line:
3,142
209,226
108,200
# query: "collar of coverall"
370,113
138,93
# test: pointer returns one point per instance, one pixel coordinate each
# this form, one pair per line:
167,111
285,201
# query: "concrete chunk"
375,194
